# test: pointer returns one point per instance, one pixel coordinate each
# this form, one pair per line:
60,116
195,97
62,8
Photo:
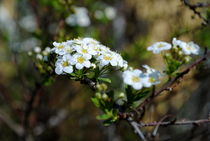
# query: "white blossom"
79,18
59,48
158,47
107,58
187,48
110,12
81,61
64,65
133,78
151,77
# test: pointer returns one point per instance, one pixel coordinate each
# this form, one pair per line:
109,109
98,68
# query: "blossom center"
151,80
65,64
84,51
189,48
80,60
107,58
160,45
60,46
135,79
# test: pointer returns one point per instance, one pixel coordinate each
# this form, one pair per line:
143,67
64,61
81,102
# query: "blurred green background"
62,111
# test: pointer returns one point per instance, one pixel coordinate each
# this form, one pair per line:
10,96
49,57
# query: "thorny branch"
194,8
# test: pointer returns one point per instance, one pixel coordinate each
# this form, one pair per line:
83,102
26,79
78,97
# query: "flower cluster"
39,53
138,79
84,53
186,48
79,18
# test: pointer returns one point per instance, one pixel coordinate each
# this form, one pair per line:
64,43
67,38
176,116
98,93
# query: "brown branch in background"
183,122
170,85
29,109
11,124
194,8
136,129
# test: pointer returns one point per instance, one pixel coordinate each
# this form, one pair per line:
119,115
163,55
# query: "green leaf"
107,80
95,101
103,116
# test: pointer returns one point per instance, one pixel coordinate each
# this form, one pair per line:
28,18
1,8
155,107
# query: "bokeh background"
62,110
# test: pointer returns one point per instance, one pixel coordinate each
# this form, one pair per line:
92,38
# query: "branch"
170,85
29,108
136,129
11,124
183,122
194,7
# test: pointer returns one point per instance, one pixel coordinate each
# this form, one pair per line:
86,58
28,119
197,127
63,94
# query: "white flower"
59,48
37,49
179,43
79,18
81,61
158,47
86,51
151,77
64,65
187,48
107,58
133,78
110,12
39,56
46,51
190,48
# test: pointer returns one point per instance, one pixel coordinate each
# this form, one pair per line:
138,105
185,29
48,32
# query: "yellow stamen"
60,46
84,50
160,45
107,58
65,64
80,60
135,79
151,79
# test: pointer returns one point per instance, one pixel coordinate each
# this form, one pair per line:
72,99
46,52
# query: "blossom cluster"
138,79
84,53
39,53
186,48
79,18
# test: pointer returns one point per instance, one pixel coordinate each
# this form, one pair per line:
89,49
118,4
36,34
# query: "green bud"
187,59
121,95
98,95
105,96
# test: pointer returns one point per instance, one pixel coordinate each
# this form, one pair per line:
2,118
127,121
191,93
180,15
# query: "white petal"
87,64
58,70
68,69
137,86
79,66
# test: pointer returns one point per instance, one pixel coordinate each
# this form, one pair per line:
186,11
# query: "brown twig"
194,8
183,122
136,129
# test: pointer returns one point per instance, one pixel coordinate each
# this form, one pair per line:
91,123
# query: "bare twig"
194,7
183,122
136,129
11,124
158,125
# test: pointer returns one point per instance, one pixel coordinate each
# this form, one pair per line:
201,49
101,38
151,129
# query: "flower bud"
105,96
